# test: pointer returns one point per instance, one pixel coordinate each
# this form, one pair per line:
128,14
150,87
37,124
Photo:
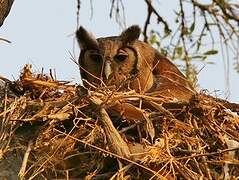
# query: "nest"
55,130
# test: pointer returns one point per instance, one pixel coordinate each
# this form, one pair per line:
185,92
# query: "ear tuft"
130,34
85,39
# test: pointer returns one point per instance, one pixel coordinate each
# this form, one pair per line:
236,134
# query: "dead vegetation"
54,130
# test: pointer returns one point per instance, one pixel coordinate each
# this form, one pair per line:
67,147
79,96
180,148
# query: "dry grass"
53,130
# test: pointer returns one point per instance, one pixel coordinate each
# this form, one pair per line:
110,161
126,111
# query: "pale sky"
42,33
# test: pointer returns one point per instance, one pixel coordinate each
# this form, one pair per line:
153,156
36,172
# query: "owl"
127,63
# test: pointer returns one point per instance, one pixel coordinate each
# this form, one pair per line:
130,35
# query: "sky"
42,34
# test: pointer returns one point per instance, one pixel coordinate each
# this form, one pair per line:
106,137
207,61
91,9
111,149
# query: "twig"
111,153
207,154
5,40
22,171
151,9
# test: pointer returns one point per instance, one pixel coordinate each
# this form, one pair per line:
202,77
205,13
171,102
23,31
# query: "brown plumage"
128,63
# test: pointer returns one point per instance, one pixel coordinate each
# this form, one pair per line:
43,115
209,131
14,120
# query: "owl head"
115,60
127,63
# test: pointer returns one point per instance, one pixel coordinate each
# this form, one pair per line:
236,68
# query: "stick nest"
55,130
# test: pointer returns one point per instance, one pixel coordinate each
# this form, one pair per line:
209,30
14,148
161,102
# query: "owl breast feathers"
128,63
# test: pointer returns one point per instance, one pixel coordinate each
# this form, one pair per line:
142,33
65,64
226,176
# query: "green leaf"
210,62
153,39
163,52
167,32
199,57
211,52
179,51
192,27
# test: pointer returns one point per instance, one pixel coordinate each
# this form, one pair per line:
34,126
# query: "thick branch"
5,7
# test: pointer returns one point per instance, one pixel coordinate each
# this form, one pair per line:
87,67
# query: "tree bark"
5,7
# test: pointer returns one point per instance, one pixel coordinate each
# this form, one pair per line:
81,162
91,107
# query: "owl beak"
108,70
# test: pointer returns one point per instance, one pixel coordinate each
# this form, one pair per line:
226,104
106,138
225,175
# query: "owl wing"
169,81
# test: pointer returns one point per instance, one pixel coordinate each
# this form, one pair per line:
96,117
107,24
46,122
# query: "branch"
5,40
5,8
151,10
224,6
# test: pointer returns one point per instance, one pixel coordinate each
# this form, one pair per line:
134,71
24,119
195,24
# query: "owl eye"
120,57
96,57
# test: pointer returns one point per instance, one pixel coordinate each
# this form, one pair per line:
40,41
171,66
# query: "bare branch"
151,9
5,7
